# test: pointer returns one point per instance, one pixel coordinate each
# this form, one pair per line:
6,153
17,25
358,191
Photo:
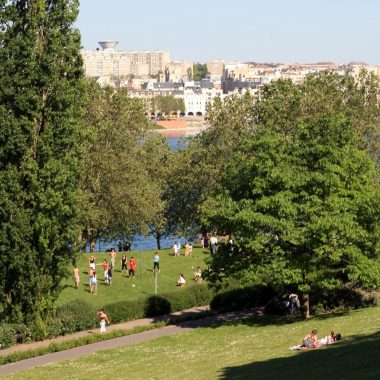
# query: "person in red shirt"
132,267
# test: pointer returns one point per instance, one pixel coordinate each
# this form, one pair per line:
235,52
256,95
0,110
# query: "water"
140,242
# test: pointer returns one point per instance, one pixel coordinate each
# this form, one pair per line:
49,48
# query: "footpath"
121,341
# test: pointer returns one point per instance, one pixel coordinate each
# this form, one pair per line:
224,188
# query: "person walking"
113,258
103,320
156,262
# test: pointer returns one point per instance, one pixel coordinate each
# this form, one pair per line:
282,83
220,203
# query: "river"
140,242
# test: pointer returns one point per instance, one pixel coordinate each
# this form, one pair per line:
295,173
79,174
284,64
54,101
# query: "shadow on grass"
355,358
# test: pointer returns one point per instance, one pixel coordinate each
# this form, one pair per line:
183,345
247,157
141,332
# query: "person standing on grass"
132,267
214,244
105,270
91,262
76,276
113,258
103,320
94,283
109,276
156,262
123,263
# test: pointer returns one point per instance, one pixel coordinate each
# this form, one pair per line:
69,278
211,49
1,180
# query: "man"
113,258
76,276
132,267
103,320
214,244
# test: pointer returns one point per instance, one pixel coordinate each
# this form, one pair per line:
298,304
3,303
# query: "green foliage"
242,298
74,316
166,104
200,71
120,196
40,139
299,193
10,334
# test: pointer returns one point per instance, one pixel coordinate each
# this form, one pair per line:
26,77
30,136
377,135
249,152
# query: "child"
109,276
181,280
105,269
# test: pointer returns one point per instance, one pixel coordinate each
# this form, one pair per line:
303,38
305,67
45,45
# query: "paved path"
122,341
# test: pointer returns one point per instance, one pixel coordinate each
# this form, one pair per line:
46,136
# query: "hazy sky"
262,31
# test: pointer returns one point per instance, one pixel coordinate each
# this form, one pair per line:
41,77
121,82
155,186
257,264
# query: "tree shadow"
354,358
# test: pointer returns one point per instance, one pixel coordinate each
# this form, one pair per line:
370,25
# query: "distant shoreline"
180,132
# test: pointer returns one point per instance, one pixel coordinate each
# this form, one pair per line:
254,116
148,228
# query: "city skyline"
294,31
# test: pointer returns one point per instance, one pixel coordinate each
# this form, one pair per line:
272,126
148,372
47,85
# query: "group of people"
311,340
108,268
177,249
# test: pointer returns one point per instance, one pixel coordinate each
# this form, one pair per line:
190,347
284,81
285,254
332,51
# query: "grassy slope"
252,349
122,288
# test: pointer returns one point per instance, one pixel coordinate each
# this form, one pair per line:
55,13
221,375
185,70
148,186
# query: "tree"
121,195
200,71
300,193
40,139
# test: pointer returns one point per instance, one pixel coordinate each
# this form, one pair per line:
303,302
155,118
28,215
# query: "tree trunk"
158,239
306,305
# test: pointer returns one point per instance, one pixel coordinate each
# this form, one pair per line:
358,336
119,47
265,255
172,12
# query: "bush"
74,316
7,336
124,311
325,300
242,298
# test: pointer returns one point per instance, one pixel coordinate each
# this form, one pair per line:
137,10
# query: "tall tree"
300,193
40,139
121,198
200,71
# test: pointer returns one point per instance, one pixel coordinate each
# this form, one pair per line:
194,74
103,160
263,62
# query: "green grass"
256,348
122,287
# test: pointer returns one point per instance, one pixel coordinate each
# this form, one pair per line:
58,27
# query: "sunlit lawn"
122,287
253,349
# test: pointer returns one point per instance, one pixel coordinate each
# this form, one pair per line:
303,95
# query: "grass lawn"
256,348
122,287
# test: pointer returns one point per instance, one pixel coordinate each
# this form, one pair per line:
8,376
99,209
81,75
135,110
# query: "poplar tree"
40,141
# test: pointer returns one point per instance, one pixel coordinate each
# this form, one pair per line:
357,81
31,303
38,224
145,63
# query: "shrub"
75,316
7,335
124,311
241,298
157,305
324,300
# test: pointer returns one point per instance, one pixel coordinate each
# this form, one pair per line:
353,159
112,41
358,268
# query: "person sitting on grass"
311,340
198,275
181,280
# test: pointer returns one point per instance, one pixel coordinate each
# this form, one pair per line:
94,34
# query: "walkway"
117,342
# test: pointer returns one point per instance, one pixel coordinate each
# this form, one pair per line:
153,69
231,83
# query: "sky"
291,31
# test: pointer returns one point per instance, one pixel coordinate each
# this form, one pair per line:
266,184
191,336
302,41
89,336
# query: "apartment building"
121,64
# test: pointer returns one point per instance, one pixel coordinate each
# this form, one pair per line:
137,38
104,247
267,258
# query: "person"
330,338
105,270
94,283
156,262
198,275
190,249
91,262
109,276
187,249
181,280
294,303
113,258
311,340
120,246
132,267
76,276
202,241
123,263
103,318
176,249
214,244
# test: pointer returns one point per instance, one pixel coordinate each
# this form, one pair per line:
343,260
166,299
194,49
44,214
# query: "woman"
181,280
94,283
311,340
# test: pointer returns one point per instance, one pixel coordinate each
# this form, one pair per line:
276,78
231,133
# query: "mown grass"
255,348
143,285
